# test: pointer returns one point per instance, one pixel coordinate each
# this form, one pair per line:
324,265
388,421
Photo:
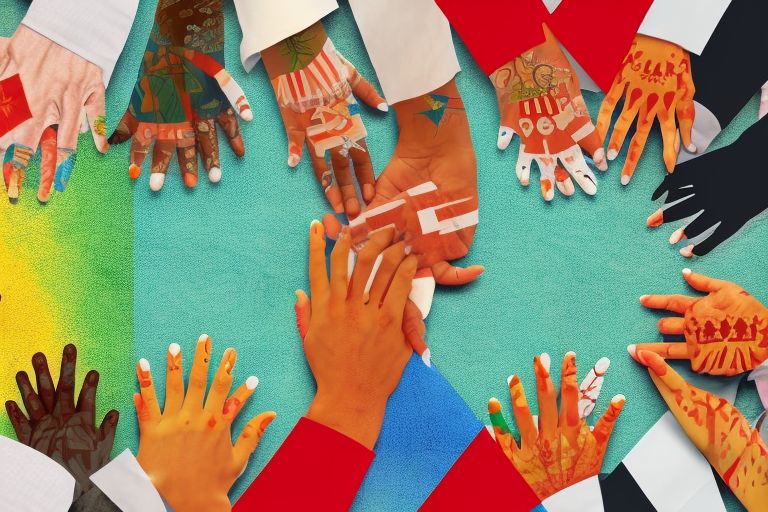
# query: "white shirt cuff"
265,23
584,496
30,481
125,483
687,23
96,31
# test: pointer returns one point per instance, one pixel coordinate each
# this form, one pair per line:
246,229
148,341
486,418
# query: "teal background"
225,259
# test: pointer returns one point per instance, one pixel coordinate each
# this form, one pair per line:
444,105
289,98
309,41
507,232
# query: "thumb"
95,111
450,275
414,330
234,94
303,309
251,435
506,132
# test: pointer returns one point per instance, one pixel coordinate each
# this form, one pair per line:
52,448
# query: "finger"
665,350
637,143
142,413
390,262
547,165
327,181
86,402
686,110
140,146
95,111
501,430
65,389
222,384
697,227
577,167
251,435
547,397
31,401
397,294
187,157
318,275
19,422
234,404
628,113
507,122
589,389
569,398
231,128
669,134
675,303
125,129
678,211
303,310
414,330
162,154
522,412
718,236
608,106
339,266
45,387
108,427
361,160
671,325
174,380
198,375
449,275
343,174
564,182
16,169
150,406
48,154
208,142
368,262
703,283
607,421
363,89
523,167
234,94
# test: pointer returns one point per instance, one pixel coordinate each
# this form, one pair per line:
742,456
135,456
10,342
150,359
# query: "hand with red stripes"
315,88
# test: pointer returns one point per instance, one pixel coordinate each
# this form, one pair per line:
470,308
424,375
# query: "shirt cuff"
584,496
25,472
265,23
687,23
125,483
96,31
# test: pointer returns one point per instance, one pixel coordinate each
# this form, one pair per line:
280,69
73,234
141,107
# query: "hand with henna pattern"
726,332
59,428
718,430
561,450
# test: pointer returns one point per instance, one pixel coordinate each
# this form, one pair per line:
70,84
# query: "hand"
186,450
726,332
314,86
655,81
718,430
540,99
726,188
182,92
560,451
45,108
353,339
65,432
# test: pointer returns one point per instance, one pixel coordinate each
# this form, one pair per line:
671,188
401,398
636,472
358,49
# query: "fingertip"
494,406
687,251
612,154
687,272
246,114
618,401
251,382
134,171
383,107
625,179
269,417
656,219
632,350
293,160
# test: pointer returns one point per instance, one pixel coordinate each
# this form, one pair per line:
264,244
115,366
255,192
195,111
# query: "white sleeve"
96,31
687,23
125,483
25,472
409,43
265,23
584,496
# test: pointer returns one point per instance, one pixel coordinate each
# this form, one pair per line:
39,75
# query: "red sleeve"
496,32
316,468
480,469
598,33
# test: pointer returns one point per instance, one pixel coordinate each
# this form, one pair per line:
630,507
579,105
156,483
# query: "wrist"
294,52
360,420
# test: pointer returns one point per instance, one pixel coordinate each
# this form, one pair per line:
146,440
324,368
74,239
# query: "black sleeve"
734,64
93,501
621,493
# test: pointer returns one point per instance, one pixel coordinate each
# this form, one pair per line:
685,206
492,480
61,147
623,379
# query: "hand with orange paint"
540,99
718,430
186,449
315,88
655,82
353,338
726,331
561,450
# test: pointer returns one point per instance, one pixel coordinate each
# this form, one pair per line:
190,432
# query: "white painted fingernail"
618,398
546,361
251,382
203,338
509,379
214,175
247,115
687,251
174,349
632,349
383,107
602,365
293,160
625,179
314,221
144,364
156,181
643,297
612,154
570,353
407,250
686,271
426,357
692,148
677,235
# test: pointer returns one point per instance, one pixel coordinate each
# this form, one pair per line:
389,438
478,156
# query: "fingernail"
546,361
426,358
618,400
134,171
230,356
602,365
214,175
174,349
612,154
642,298
494,406
656,219
383,107
686,271
190,180
251,382
266,421
156,181
570,353
677,235
293,160
407,250
687,251
632,349
510,379
692,148
247,114
144,365
625,179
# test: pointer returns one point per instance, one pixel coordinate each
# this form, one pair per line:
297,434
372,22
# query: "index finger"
672,350
703,283
65,389
198,375
675,303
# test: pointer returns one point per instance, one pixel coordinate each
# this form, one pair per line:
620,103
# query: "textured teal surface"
226,259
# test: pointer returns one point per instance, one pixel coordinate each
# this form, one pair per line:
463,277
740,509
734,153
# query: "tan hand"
186,450
726,332
561,450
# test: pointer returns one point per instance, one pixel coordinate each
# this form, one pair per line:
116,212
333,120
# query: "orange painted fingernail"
656,219
190,179
134,171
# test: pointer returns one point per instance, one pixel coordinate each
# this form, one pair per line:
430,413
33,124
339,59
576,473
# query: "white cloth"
584,496
687,23
31,482
409,43
125,483
265,23
96,31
